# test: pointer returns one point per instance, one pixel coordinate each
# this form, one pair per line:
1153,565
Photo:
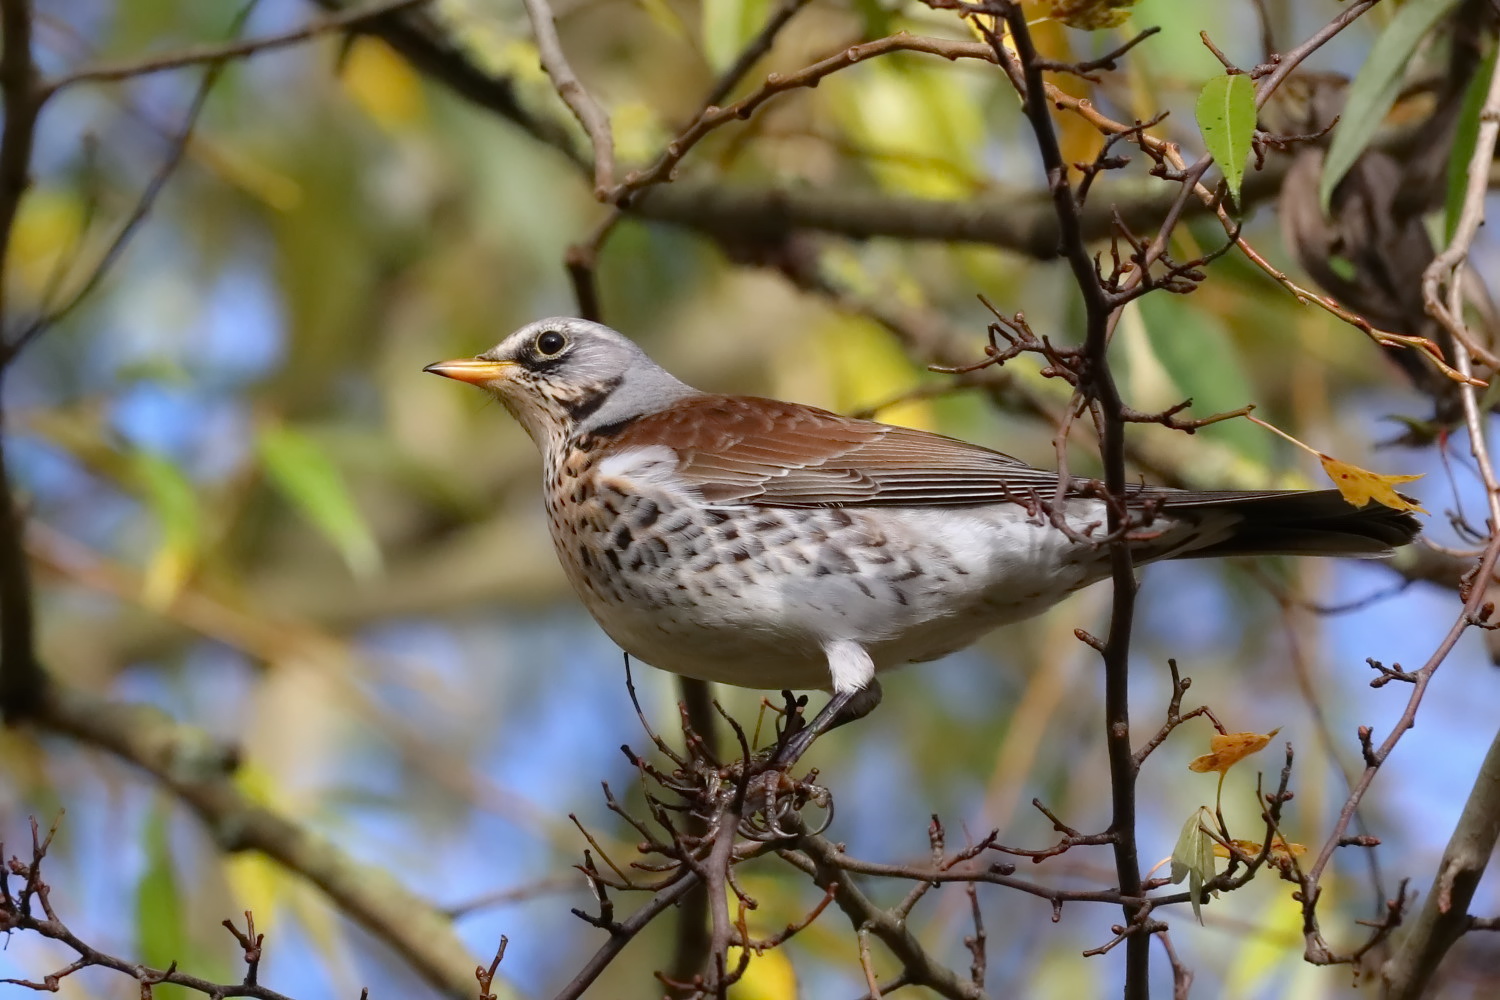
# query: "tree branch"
188,763
21,678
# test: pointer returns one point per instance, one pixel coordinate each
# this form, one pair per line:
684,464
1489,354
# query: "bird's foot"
798,734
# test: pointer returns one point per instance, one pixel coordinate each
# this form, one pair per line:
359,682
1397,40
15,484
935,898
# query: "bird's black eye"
550,343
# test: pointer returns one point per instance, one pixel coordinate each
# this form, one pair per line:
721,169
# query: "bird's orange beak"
475,371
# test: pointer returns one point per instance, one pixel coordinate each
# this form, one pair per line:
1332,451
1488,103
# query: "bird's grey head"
563,377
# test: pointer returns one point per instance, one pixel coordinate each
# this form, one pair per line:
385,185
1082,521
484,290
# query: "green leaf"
158,901
1463,145
1195,349
1226,117
1193,857
1376,87
727,26
308,478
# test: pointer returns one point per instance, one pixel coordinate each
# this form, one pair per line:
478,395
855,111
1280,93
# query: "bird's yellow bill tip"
475,371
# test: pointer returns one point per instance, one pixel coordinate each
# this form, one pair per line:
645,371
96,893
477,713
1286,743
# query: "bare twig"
1100,388
346,21
587,110
54,314
713,117
198,772
18,913
753,51
1444,915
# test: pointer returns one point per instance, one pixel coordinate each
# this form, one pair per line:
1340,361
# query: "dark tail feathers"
1299,523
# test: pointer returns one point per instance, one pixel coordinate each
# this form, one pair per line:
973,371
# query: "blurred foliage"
257,513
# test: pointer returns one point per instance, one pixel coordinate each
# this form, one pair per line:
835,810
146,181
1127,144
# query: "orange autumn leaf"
1360,486
1281,850
1228,749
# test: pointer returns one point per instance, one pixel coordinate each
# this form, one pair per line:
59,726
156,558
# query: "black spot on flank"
910,574
766,524
899,596
842,518
646,513
729,534
739,553
716,516
620,537
864,589
614,560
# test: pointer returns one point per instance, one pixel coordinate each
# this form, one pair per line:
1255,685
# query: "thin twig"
1444,915
587,110
213,54
753,51
1101,389
54,314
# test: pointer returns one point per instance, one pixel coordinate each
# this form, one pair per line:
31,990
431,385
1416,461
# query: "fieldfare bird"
774,545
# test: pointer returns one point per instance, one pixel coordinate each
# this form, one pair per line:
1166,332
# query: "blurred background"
250,509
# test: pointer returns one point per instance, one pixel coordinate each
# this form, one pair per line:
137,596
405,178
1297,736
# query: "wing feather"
738,449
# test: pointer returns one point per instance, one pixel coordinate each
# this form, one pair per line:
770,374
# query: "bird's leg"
844,706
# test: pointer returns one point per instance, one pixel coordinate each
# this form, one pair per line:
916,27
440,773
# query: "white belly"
752,596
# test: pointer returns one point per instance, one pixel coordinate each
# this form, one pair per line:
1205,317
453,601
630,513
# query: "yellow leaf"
48,227
866,367
383,84
1091,15
638,131
1360,486
769,976
249,173
1228,749
919,129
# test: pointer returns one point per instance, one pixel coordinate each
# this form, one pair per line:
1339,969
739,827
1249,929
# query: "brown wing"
741,449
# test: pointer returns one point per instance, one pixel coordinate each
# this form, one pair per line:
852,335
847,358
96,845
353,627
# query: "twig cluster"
28,907
701,814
